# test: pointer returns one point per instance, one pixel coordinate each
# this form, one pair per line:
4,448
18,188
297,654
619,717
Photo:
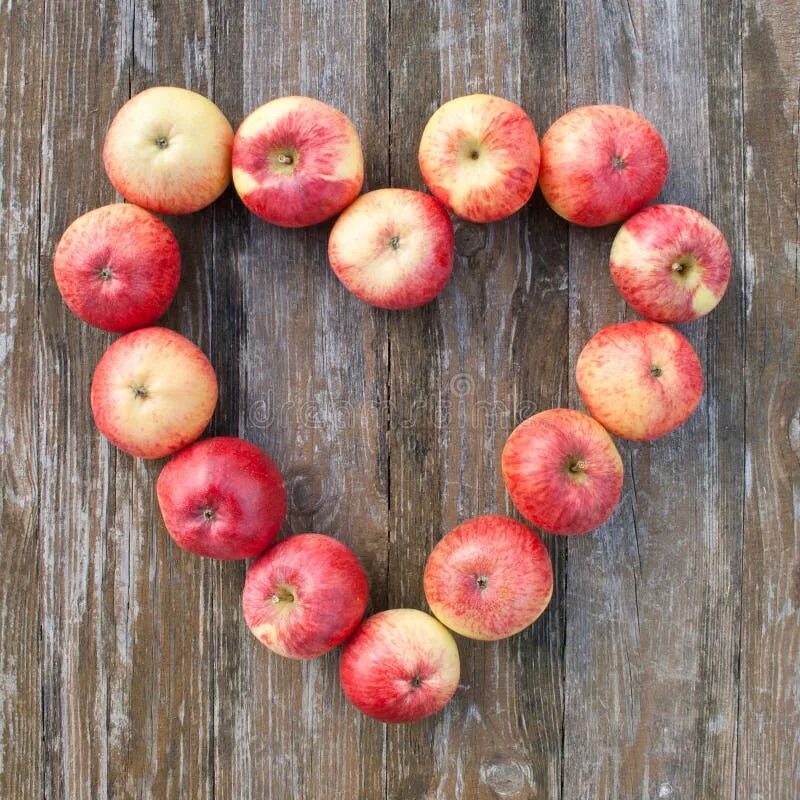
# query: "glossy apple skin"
169,150
479,155
400,666
600,164
562,471
393,248
117,267
297,162
153,392
670,263
489,578
305,595
640,380
222,498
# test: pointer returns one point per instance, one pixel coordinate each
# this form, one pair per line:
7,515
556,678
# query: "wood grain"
653,598
769,691
310,388
20,598
666,666
454,400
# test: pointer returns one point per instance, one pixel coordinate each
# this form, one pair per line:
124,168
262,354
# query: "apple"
670,263
488,578
639,379
600,164
117,267
153,392
169,150
297,162
400,666
393,248
563,471
305,596
479,155
222,498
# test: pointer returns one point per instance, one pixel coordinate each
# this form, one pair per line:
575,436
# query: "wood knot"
305,489
470,239
504,776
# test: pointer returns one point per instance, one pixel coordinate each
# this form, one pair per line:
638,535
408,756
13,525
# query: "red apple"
670,263
117,267
400,666
222,498
489,578
563,471
640,379
297,162
169,150
393,248
600,164
480,156
305,596
153,392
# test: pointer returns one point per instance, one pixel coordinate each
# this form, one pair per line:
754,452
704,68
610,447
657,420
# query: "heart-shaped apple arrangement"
295,162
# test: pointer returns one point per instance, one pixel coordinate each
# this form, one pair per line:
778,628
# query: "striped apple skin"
670,263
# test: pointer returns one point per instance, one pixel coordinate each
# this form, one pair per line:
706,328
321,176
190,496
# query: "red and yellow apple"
562,471
479,155
600,164
297,162
169,150
670,263
117,267
488,578
400,666
153,392
393,248
305,595
222,498
639,379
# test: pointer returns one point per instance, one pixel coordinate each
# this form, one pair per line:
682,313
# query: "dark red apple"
305,595
222,498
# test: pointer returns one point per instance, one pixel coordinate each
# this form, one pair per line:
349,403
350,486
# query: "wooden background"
667,664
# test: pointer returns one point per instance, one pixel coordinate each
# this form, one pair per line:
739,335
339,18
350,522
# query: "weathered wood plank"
769,697
311,390
85,80
125,671
653,598
455,397
20,138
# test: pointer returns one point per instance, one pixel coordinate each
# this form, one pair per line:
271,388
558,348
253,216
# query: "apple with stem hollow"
563,471
297,162
305,595
639,379
222,498
153,392
488,578
393,248
400,666
479,155
169,150
117,267
600,164
670,263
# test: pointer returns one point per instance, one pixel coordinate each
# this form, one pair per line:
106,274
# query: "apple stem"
677,267
282,595
285,158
